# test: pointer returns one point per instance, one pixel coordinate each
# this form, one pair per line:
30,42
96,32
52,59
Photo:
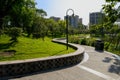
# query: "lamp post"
67,19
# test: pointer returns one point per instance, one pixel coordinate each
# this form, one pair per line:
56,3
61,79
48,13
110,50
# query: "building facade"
74,20
55,18
80,20
95,18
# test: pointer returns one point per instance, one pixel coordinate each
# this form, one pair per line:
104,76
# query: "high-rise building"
95,18
73,20
80,21
55,18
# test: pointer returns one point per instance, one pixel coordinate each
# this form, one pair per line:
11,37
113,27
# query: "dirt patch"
7,53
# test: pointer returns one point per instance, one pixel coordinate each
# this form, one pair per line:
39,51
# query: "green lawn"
27,48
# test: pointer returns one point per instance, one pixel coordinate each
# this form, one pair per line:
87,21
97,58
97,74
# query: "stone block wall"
12,68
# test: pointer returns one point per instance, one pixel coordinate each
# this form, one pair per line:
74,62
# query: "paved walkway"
95,66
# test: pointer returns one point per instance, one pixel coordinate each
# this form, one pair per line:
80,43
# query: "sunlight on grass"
27,48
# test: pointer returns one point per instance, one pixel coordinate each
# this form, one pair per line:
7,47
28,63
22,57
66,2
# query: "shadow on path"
114,67
107,59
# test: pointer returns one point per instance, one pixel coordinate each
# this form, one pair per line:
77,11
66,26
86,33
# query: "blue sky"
81,7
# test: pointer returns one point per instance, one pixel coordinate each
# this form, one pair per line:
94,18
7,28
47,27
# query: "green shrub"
106,45
91,42
74,39
84,41
111,47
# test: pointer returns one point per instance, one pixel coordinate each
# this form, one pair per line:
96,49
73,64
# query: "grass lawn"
27,48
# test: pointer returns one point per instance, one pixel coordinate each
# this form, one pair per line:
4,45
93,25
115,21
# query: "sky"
82,8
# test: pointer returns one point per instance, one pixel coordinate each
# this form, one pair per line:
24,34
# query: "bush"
73,39
14,33
106,45
84,41
91,42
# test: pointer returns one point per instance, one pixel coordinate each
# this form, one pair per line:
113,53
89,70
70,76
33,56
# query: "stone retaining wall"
18,67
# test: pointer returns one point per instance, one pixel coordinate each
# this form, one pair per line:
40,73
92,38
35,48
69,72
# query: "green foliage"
27,48
90,41
83,41
108,31
97,30
14,33
54,28
41,12
73,39
20,13
112,0
112,13
106,45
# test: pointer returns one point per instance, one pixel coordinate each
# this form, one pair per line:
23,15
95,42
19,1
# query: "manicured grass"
27,48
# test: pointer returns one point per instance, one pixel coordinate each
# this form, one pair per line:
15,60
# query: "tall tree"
112,14
7,6
41,12
17,10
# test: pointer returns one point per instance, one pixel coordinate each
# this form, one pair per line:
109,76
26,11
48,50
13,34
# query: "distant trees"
55,28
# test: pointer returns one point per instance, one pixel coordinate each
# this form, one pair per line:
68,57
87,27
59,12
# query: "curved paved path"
95,66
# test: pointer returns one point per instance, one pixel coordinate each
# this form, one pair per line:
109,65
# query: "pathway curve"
95,66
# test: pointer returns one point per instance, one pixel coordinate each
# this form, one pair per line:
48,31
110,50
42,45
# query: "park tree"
39,28
15,11
41,12
51,25
62,27
112,13
19,13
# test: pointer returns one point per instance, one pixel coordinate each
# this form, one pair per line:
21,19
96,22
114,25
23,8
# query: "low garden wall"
19,67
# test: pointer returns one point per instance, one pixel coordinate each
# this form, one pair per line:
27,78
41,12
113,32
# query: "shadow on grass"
7,45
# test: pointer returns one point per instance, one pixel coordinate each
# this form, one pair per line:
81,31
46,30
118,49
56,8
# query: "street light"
67,18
